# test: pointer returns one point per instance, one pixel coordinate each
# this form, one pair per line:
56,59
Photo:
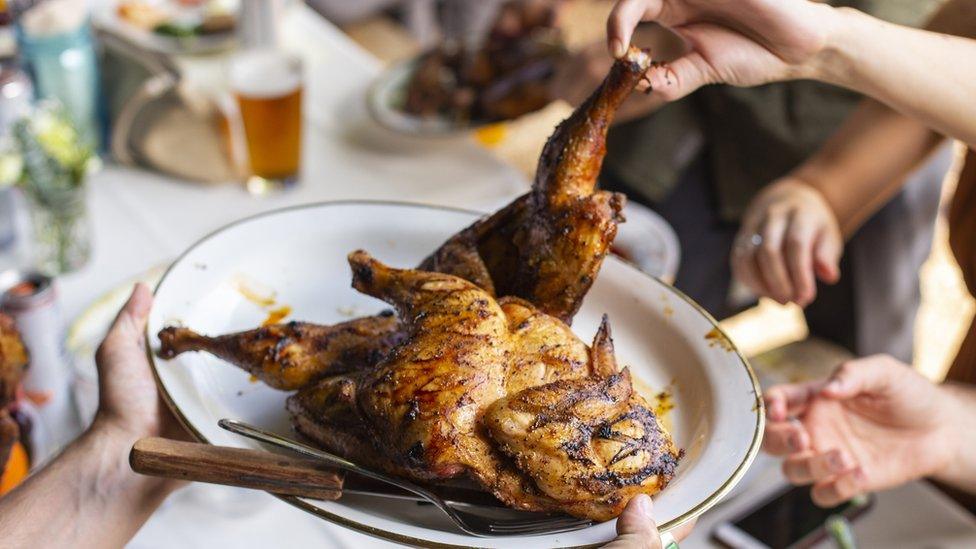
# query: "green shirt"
751,136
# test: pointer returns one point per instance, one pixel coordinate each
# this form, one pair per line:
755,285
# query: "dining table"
143,220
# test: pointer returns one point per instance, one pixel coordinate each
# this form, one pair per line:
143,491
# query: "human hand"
738,42
636,528
789,235
874,424
129,404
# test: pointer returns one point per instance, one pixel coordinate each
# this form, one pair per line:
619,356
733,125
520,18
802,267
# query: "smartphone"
787,520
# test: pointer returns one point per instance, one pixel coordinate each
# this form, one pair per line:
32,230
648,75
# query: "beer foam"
264,73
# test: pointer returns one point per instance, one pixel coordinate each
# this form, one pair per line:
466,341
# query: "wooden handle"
241,467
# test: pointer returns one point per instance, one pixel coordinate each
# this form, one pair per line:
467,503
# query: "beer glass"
267,84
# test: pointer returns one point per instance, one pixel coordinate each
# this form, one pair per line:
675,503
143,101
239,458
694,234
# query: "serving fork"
472,523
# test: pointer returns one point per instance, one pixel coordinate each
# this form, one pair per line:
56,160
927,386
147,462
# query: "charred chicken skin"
545,247
475,376
478,374
588,444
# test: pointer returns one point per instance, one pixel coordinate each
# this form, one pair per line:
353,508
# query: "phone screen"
789,517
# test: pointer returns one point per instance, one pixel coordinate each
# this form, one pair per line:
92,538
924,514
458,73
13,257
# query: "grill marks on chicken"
589,444
496,390
428,395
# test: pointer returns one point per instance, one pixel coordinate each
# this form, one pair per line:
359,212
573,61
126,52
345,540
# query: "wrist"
958,439
109,445
835,60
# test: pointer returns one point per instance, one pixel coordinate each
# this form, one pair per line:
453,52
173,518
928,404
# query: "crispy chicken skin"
428,396
545,247
479,374
13,362
575,440
544,348
589,444
293,355
326,413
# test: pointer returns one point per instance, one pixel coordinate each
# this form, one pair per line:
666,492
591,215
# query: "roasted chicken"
545,247
575,435
477,374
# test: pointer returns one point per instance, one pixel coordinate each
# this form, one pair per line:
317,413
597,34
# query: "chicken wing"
293,355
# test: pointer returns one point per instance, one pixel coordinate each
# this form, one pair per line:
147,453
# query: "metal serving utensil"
471,523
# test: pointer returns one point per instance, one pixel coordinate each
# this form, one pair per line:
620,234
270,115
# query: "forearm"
87,497
925,75
961,471
866,161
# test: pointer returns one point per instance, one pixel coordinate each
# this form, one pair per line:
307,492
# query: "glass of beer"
267,84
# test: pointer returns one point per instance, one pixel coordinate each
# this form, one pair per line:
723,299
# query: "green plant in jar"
50,161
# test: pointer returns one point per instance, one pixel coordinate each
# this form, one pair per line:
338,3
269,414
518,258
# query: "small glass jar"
61,230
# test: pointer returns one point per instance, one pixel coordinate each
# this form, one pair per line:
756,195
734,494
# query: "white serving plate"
649,242
298,256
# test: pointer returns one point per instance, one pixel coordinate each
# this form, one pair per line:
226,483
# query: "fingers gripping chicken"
545,247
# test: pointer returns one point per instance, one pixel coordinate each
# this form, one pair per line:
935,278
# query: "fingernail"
834,385
645,506
837,462
618,47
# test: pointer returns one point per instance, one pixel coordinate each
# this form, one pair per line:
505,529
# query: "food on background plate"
179,18
14,461
478,374
505,78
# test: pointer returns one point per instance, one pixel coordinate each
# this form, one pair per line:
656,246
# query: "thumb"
676,79
635,526
624,18
131,320
826,256
138,305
